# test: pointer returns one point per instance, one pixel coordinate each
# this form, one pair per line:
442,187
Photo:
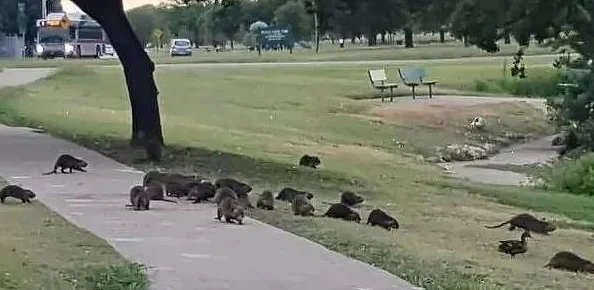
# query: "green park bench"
414,77
379,80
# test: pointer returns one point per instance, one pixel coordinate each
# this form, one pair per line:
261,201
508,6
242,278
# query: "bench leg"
430,92
391,94
413,91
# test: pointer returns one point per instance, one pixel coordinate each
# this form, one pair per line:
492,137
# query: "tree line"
220,21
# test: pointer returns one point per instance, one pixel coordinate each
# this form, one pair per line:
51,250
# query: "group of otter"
563,260
231,199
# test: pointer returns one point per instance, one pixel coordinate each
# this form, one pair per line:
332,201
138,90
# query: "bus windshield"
52,39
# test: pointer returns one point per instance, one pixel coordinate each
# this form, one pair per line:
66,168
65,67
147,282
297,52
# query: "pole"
43,9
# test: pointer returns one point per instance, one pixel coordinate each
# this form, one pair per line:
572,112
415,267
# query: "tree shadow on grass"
218,164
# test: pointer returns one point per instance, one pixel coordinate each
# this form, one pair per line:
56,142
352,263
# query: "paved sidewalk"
182,244
535,151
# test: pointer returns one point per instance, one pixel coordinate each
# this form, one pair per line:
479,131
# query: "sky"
128,4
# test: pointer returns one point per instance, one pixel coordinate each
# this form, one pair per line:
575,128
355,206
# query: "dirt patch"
437,115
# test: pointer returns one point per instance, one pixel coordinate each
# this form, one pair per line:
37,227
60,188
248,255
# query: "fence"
11,46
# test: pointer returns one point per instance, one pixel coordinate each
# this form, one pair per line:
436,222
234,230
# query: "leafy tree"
293,14
558,23
144,20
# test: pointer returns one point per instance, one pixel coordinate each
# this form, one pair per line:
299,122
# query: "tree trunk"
138,70
507,38
442,35
317,31
408,37
383,38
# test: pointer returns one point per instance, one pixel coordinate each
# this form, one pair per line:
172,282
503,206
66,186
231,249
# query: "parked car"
108,49
180,47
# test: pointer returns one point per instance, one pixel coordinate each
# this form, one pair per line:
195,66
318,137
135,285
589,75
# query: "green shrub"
116,277
575,176
536,86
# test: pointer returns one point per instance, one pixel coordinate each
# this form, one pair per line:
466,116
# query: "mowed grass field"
41,250
328,52
253,123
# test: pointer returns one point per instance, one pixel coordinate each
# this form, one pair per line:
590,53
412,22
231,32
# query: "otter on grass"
378,217
341,211
301,206
529,223
25,195
266,201
309,161
569,261
288,194
66,161
350,198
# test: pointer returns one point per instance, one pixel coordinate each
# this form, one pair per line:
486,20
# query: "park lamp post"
22,19
22,23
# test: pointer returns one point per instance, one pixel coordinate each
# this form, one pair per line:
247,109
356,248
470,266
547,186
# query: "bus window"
72,32
90,33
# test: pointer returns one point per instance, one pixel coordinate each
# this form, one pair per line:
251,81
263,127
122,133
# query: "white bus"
69,35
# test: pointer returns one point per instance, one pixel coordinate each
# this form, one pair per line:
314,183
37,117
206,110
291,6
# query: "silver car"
180,47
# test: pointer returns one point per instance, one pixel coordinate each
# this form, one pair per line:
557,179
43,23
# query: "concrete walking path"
535,151
184,247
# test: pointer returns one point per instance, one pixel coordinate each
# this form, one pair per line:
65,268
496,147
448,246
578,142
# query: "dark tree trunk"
383,38
408,37
353,39
507,38
138,70
442,35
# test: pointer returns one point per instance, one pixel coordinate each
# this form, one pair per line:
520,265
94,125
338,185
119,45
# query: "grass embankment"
328,53
41,250
255,123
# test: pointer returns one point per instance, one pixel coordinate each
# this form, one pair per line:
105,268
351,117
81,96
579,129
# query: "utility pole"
43,9
22,23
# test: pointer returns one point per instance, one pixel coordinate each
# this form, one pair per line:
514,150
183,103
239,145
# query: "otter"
155,191
25,195
341,211
202,191
378,217
230,208
350,198
301,206
288,194
266,201
66,161
570,262
241,189
139,198
529,223
224,192
309,161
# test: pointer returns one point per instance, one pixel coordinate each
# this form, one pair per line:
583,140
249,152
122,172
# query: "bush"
116,277
538,86
575,176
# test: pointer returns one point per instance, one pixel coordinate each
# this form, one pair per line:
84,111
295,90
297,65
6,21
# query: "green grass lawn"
254,124
328,53
41,250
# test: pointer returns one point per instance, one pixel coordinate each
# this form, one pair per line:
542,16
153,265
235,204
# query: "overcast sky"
69,7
